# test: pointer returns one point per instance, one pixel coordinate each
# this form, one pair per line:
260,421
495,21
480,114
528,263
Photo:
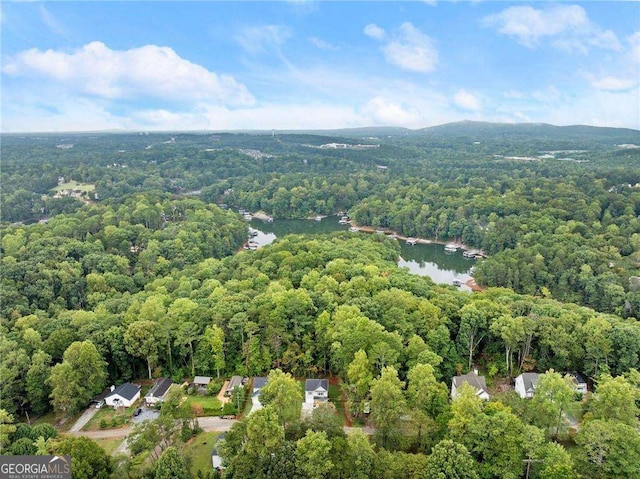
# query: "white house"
526,384
315,391
258,384
159,391
580,385
123,396
476,382
216,460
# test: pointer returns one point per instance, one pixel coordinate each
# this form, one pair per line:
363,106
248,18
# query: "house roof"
203,380
125,390
217,443
102,396
160,388
529,380
478,382
577,376
259,382
313,384
236,381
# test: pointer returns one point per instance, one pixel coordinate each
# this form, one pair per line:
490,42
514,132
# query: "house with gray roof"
216,459
257,384
159,391
478,383
123,396
526,385
315,391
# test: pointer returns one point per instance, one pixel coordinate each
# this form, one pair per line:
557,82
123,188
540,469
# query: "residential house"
235,382
216,459
315,391
123,396
580,384
526,384
258,384
476,382
158,392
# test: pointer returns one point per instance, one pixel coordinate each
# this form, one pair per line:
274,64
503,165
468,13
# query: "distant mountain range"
472,130
479,130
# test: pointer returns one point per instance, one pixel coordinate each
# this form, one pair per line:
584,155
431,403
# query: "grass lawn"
73,185
210,405
50,418
199,449
336,398
109,445
113,418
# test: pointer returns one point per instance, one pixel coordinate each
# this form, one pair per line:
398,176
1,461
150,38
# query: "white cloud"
412,50
586,107
567,25
322,44
148,72
261,38
374,31
611,83
467,101
51,21
384,112
622,72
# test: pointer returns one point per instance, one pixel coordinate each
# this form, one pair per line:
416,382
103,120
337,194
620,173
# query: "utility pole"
529,461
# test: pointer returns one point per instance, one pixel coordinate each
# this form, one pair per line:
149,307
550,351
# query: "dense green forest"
141,277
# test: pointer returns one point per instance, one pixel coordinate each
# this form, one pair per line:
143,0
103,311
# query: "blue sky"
70,66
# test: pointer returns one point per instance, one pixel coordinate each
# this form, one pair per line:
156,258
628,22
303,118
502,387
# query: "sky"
162,65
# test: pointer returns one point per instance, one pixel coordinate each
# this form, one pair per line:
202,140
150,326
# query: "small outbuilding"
201,383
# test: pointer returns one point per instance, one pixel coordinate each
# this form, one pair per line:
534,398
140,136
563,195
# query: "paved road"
84,419
104,433
207,423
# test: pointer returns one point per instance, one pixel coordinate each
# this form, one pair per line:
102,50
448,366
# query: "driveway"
105,433
146,415
84,419
214,423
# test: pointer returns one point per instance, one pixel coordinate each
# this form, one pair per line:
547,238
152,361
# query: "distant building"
580,384
476,382
526,385
316,391
235,382
159,391
216,459
258,384
201,382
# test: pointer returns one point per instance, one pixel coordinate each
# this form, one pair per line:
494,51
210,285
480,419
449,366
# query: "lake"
421,259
